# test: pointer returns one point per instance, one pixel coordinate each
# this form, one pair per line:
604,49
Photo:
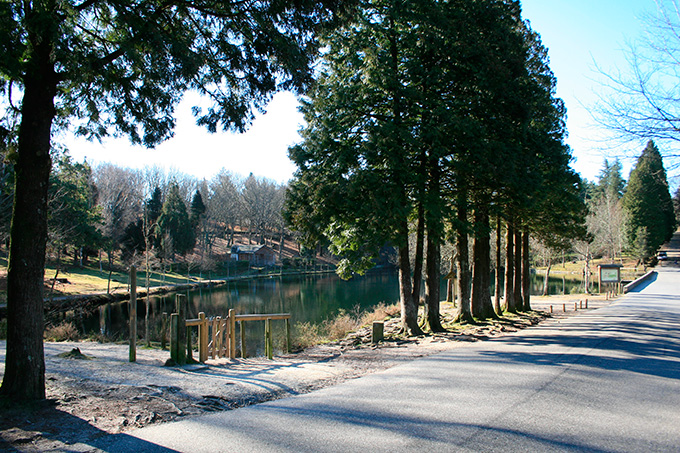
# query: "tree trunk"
499,280
463,262
450,288
409,308
517,285
418,261
481,269
433,266
526,272
509,300
545,279
24,377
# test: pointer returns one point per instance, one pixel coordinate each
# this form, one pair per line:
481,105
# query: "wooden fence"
217,336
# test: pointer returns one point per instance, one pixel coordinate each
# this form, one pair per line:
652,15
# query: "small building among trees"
257,255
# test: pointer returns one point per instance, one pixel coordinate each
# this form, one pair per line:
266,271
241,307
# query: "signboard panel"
609,275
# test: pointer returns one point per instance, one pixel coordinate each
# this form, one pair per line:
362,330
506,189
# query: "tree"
354,175
119,198
606,218
676,206
650,218
73,215
641,103
175,224
197,210
121,67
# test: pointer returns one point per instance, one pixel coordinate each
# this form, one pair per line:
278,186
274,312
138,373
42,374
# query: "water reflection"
311,298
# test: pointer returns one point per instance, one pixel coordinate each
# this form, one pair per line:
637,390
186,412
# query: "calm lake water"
312,298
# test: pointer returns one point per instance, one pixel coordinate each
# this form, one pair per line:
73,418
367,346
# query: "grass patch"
306,334
63,332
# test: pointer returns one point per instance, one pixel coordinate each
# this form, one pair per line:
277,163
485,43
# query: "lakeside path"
607,380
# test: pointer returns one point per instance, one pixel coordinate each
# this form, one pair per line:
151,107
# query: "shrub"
63,332
305,334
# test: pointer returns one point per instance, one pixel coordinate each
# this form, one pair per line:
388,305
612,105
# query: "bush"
63,332
305,335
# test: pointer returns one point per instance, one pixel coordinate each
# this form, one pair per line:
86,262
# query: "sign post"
608,274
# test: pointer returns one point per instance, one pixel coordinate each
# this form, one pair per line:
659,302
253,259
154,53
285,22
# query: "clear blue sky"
579,34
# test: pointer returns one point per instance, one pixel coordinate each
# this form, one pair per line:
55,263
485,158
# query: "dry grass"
63,332
308,334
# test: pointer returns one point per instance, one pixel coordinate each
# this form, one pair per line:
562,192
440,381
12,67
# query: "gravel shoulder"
102,392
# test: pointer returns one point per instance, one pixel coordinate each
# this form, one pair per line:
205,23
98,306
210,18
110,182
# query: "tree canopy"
426,118
121,67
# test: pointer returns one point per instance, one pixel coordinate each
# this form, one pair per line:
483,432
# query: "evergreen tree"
174,222
197,209
73,215
676,206
650,218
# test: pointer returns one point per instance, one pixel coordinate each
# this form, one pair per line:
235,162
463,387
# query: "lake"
311,298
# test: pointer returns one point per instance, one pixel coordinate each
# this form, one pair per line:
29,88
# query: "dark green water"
308,298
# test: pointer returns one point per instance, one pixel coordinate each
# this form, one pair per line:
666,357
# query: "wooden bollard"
232,333
586,303
564,308
268,347
202,338
287,336
378,333
581,304
181,309
551,309
164,330
133,314
575,306
174,340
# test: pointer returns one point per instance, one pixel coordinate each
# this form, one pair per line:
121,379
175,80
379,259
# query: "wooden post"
564,308
202,338
378,332
232,333
268,339
581,305
164,330
133,314
287,336
586,303
551,309
575,306
174,340
190,349
181,309
242,331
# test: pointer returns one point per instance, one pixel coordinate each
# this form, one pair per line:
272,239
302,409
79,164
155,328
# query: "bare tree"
644,103
224,203
120,196
605,224
262,205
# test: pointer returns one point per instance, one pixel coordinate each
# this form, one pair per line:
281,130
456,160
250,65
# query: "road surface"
606,380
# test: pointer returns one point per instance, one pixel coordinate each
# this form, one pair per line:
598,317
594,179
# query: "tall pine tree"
650,218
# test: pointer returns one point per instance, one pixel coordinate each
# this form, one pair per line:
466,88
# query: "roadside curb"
636,282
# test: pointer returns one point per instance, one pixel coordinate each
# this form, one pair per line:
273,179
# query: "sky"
581,36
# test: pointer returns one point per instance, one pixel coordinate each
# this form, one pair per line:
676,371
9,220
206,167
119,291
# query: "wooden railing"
217,336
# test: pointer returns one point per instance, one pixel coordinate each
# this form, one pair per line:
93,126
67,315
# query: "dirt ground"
99,391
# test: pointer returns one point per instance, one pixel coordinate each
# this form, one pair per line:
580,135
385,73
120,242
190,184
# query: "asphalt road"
606,380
